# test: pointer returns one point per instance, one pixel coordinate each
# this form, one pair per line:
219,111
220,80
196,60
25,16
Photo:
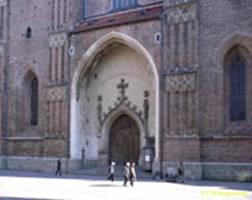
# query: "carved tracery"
123,101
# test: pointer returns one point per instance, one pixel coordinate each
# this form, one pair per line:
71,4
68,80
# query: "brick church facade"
149,81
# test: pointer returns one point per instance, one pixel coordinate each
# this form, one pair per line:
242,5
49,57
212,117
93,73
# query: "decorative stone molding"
182,13
56,93
57,40
13,138
181,69
181,82
121,101
238,128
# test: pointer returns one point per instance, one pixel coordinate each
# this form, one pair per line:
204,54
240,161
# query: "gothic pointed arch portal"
116,73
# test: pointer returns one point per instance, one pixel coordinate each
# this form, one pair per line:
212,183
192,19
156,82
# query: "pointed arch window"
28,32
237,88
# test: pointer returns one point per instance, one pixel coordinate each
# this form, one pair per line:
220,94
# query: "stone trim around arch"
237,38
116,113
109,122
28,71
88,59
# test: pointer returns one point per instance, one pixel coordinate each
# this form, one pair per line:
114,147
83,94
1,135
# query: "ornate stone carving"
56,93
57,40
122,100
182,13
181,82
122,87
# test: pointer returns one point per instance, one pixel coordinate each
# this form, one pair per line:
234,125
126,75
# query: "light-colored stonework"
56,93
57,40
181,82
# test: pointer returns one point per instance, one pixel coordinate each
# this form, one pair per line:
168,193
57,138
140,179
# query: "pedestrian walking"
181,172
132,173
58,170
126,173
111,171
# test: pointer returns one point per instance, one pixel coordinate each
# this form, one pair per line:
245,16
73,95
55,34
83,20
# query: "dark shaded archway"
124,140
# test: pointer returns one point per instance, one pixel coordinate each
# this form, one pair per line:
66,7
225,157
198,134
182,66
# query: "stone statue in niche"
146,107
99,110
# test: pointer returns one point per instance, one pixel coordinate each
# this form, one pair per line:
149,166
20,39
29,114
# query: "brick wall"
181,149
199,34
45,55
219,32
25,148
226,150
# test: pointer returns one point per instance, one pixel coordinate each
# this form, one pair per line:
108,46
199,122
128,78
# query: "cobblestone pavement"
23,185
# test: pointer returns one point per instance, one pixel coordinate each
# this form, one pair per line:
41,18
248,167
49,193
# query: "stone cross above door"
122,100
122,86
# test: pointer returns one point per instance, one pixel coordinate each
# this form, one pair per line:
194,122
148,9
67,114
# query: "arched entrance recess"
98,138
124,140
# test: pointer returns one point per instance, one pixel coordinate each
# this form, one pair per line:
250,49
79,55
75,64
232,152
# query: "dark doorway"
124,140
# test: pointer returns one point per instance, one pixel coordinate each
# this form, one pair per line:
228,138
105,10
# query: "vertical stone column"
59,14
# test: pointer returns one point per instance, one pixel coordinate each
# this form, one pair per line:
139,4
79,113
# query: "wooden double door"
124,141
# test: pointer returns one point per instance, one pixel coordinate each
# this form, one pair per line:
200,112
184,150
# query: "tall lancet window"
237,88
34,101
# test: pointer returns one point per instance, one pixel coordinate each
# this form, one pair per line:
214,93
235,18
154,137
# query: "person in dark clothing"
126,173
112,171
132,173
58,170
181,172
